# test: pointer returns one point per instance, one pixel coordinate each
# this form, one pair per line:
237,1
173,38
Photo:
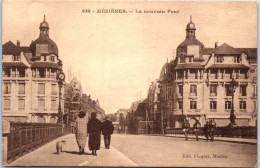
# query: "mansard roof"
226,49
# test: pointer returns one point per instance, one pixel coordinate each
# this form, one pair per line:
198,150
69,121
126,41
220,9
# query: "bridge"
144,150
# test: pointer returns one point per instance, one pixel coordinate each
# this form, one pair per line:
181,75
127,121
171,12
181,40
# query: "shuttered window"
41,88
21,88
21,104
41,103
7,104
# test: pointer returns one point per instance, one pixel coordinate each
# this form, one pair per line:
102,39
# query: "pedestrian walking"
94,132
206,130
196,127
81,131
212,126
107,131
186,126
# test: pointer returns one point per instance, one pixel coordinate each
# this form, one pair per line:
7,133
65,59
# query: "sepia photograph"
129,83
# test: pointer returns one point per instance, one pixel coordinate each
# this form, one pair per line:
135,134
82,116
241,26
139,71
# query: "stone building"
30,91
196,85
153,101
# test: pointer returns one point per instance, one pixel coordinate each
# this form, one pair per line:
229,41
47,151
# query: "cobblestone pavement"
143,150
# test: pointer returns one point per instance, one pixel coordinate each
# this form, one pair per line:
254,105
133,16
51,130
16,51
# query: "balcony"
54,93
213,94
44,77
15,76
193,94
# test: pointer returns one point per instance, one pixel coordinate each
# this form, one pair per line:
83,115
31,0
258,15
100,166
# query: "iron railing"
26,137
236,132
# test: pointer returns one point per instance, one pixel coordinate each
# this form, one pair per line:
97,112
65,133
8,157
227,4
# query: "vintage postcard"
129,83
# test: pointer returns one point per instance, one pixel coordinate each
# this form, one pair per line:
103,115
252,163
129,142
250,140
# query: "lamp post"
233,85
60,78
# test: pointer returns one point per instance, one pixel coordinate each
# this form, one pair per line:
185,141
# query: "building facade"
196,85
29,80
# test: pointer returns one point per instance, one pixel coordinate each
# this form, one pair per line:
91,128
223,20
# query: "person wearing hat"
94,131
107,130
81,131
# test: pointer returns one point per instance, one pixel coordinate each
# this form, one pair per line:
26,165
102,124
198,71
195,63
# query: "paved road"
142,150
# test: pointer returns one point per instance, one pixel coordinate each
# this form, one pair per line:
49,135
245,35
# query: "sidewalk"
46,156
225,139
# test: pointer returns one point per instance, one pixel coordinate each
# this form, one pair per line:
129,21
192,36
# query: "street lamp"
60,78
232,86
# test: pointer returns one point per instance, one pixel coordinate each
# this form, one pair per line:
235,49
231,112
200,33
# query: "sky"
117,56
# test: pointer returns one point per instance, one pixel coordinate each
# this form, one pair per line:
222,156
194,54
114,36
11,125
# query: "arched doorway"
53,120
41,119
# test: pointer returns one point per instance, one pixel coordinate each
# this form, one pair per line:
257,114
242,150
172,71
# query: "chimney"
216,44
18,43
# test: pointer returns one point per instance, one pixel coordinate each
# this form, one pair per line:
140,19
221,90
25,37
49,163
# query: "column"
11,71
16,72
188,74
198,74
46,72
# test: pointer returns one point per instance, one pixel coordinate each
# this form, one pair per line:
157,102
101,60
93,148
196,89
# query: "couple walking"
93,128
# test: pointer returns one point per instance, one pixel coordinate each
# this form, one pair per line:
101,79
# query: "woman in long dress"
81,131
94,131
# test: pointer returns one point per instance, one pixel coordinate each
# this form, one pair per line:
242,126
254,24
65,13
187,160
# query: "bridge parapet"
21,138
237,132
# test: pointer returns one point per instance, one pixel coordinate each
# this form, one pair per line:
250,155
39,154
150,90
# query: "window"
180,104
236,59
41,88
242,104
227,105
7,104
255,90
255,105
21,104
220,59
53,89
193,105
182,59
21,88
41,103
228,90
190,59
52,58
53,104
193,89
213,90
243,90
213,105
7,88
180,89
16,58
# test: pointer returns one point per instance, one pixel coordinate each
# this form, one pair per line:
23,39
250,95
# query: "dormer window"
220,59
16,58
52,58
182,59
236,59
